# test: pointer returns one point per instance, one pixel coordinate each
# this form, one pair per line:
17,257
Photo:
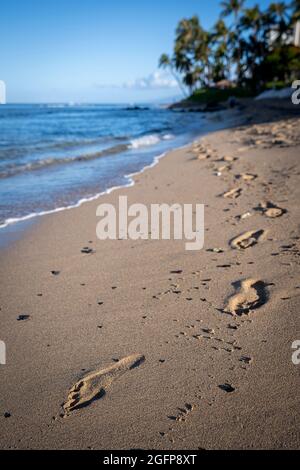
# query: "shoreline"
171,326
22,220
84,200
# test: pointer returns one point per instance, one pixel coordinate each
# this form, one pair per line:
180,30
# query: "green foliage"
275,84
249,49
212,95
283,63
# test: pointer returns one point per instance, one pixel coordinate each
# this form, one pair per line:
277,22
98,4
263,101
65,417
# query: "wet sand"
142,344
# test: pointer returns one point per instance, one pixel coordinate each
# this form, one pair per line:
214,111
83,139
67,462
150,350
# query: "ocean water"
56,156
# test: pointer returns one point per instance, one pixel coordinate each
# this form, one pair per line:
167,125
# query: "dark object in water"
137,108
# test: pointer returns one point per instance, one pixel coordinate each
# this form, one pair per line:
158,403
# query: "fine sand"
141,344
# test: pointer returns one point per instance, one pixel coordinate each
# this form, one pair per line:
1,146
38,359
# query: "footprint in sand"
245,359
223,168
247,239
271,210
248,176
233,193
203,156
244,149
228,158
251,294
183,413
96,384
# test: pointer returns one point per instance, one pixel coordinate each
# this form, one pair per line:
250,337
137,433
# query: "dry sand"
183,349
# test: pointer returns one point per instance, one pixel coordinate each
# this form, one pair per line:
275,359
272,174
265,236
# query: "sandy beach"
182,349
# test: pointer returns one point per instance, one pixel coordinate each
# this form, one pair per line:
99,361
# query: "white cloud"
156,80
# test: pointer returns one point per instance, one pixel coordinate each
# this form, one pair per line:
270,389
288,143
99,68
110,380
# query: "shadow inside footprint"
95,385
270,210
251,295
75,406
262,292
247,239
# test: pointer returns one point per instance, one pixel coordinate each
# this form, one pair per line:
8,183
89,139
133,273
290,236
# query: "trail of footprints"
233,193
283,134
249,295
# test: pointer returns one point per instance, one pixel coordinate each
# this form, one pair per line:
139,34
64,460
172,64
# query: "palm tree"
221,57
165,62
295,5
253,30
191,79
192,51
279,19
232,7
252,20
202,57
280,10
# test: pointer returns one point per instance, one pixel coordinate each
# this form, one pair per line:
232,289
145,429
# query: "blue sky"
91,50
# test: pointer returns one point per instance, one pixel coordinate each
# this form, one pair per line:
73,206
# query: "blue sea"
57,156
